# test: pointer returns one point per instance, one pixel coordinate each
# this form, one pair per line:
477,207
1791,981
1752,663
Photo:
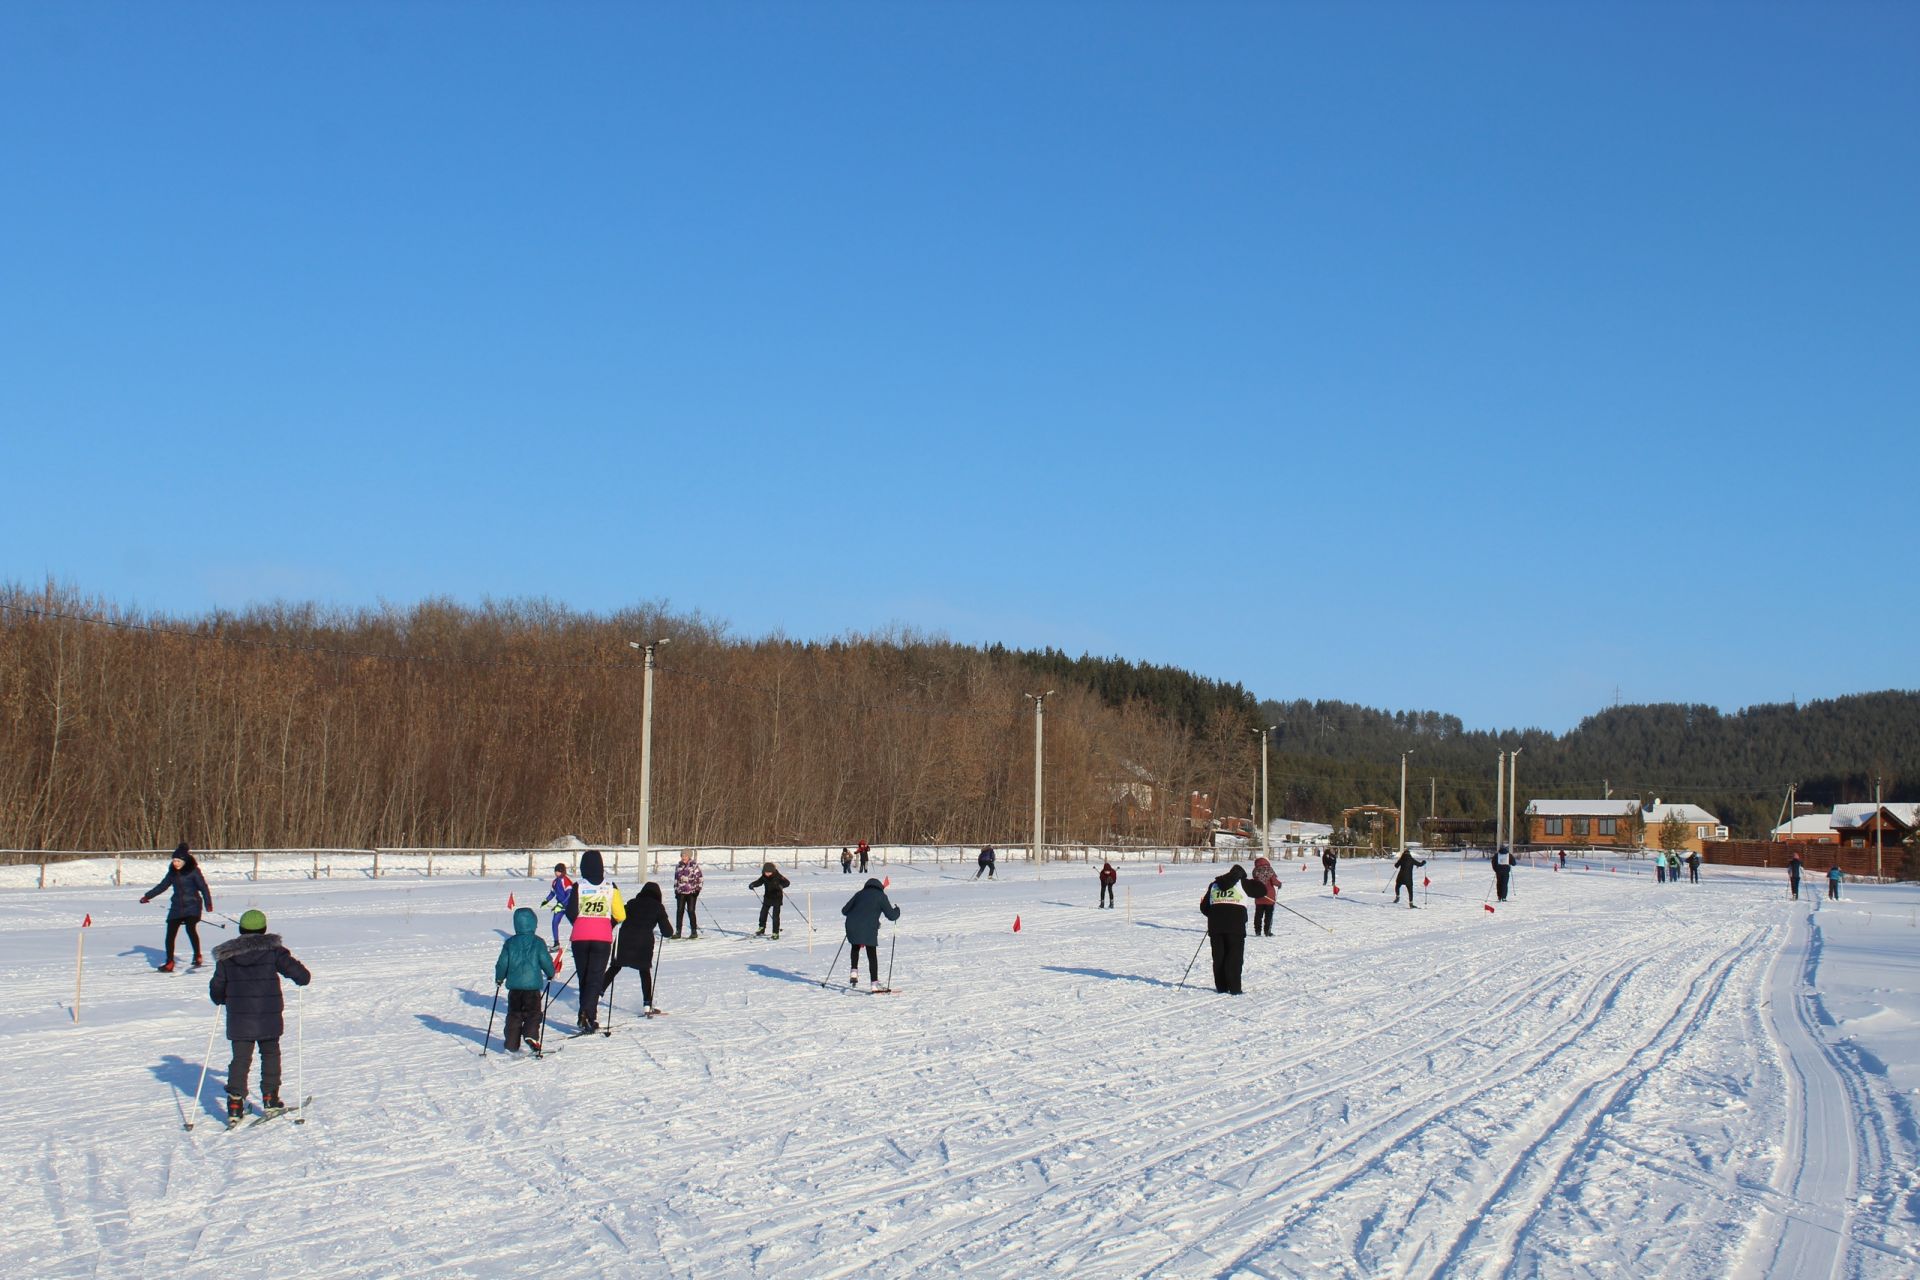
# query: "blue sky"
1479,358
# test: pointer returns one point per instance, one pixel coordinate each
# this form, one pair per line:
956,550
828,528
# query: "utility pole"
1266,823
1403,798
1499,799
646,752
1513,799
1879,821
1039,742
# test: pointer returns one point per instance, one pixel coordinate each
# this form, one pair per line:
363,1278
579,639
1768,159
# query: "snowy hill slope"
1602,1077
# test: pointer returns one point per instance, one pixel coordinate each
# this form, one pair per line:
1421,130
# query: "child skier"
1794,868
1329,867
190,890
1834,876
863,912
560,893
1108,876
986,863
525,967
687,879
846,861
1267,883
597,906
776,886
1403,875
1225,906
645,915
865,852
246,979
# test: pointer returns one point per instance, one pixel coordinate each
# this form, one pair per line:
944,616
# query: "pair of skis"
234,1122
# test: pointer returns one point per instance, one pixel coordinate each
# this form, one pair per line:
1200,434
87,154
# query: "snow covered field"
1604,1077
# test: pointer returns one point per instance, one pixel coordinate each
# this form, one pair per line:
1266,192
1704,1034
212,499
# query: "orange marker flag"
887,883
88,922
509,902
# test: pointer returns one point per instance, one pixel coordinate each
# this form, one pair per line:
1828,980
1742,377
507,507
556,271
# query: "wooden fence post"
376,864
256,866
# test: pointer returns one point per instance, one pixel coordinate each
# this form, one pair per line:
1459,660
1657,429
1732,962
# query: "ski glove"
145,900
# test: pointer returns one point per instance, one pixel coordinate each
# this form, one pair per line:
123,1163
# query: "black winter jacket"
246,979
776,885
645,914
1226,917
863,912
189,890
1404,865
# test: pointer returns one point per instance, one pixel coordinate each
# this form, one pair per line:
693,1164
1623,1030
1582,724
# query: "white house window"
1556,826
1700,832
1580,826
1608,826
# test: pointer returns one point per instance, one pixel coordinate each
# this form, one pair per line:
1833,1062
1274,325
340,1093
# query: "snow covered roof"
1659,813
1582,808
1848,816
1807,824
567,843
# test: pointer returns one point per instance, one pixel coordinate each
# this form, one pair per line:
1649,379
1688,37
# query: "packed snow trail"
1603,1076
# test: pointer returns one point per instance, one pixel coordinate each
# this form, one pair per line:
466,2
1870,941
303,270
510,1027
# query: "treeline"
1736,765
513,723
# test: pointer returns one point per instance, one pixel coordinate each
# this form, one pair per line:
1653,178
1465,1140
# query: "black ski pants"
642,964
1106,895
770,904
1693,875
1328,876
242,1066
1500,875
523,1018
1263,919
986,869
1229,953
686,908
863,864
590,966
873,960
192,924
1793,883
1833,890
1404,882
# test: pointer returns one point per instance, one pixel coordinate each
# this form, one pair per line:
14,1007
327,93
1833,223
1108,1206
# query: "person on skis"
1403,875
687,879
1225,906
190,892
846,861
865,852
525,967
1834,876
775,886
863,911
1108,877
646,915
1502,869
1794,868
986,863
1329,867
246,980
1264,883
559,893
596,908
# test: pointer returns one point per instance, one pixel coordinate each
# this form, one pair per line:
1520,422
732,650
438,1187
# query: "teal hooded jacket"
525,964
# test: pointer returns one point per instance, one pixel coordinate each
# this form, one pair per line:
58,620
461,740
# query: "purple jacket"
687,877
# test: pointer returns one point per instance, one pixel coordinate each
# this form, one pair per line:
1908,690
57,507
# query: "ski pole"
654,1002
548,1004
205,1061
834,963
1196,956
1309,919
488,1038
892,946
300,1051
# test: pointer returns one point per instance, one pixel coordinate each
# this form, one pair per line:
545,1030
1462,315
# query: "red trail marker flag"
1487,907
509,902
1016,924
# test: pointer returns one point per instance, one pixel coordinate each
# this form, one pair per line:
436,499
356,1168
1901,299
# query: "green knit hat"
254,921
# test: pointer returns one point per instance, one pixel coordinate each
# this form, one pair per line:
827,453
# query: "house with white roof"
1855,825
1808,828
1620,824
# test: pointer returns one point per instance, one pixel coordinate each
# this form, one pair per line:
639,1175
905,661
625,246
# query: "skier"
190,890
1693,868
559,894
846,861
1403,875
863,911
1673,867
1834,876
1794,867
1502,869
1659,868
863,851
986,863
1107,878
648,914
776,886
525,967
1225,906
1563,859
1329,867
596,907
687,879
246,979
1267,882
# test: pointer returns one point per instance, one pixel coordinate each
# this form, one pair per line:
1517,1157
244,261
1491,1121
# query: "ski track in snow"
1603,1078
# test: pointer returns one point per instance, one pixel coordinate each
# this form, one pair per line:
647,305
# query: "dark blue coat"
863,912
986,856
246,978
189,891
